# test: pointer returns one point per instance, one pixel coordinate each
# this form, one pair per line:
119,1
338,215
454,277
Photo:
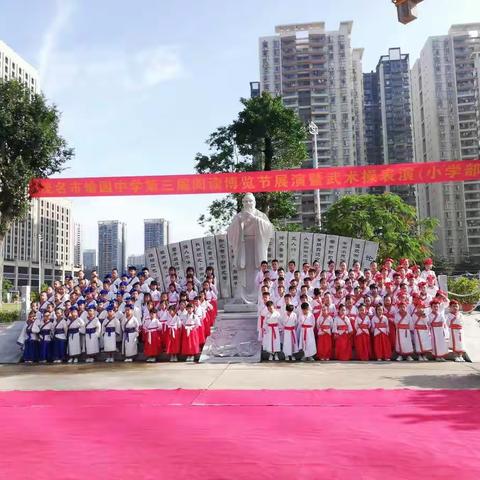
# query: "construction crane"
406,10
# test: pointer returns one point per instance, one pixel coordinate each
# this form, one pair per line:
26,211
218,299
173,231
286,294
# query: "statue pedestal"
238,306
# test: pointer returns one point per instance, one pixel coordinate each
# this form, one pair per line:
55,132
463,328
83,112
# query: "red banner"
274,181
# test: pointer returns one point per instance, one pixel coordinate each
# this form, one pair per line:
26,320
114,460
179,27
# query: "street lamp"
313,130
40,238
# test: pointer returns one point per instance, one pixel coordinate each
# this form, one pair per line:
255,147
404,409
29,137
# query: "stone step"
234,340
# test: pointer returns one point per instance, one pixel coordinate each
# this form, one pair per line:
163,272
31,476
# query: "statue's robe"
248,236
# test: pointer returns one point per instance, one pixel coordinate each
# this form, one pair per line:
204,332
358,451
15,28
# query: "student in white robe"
92,331
403,336
110,330
290,340
75,324
45,335
59,336
130,329
271,331
455,324
307,342
421,333
261,314
28,340
428,264
438,330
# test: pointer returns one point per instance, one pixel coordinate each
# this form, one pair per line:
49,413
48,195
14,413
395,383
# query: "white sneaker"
128,360
89,360
172,359
275,357
379,359
70,360
287,358
150,360
75,360
270,358
57,361
409,359
399,358
42,361
112,360
293,358
107,360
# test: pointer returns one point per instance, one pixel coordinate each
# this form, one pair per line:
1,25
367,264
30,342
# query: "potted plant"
465,290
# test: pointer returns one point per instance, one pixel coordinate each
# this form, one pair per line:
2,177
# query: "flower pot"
467,307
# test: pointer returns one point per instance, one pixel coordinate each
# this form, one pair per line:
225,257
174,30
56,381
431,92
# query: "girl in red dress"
174,336
381,341
389,311
342,328
324,334
151,336
362,335
190,340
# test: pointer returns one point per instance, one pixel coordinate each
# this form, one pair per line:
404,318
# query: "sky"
141,87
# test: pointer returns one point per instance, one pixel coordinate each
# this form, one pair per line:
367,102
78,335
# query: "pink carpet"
253,434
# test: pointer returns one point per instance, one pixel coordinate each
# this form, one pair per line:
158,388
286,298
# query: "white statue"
248,236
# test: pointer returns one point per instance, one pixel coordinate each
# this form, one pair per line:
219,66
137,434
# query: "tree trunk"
268,152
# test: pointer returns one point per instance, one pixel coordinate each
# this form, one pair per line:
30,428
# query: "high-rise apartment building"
445,107
137,261
77,244
112,244
14,67
373,119
47,228
156,232
319,76
388,117
89,259
46,233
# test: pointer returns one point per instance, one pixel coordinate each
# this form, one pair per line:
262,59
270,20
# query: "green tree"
6,287
265,136
30,147
386,219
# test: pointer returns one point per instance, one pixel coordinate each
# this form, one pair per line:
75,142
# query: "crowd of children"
83,318
344,314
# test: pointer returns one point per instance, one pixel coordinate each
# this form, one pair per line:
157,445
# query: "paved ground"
433,375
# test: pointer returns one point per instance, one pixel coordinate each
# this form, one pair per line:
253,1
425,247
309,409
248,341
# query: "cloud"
106,69
63,13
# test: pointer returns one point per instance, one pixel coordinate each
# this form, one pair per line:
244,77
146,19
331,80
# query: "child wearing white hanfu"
262,312
75,324
455,324
130,328
307,342
403,337
59,336
110,330
290,342
92,331
271,331
438,329
421,333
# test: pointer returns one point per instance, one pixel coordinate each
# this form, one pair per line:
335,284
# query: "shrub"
9,316
465,290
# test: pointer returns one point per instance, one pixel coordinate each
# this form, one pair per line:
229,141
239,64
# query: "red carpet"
189,434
